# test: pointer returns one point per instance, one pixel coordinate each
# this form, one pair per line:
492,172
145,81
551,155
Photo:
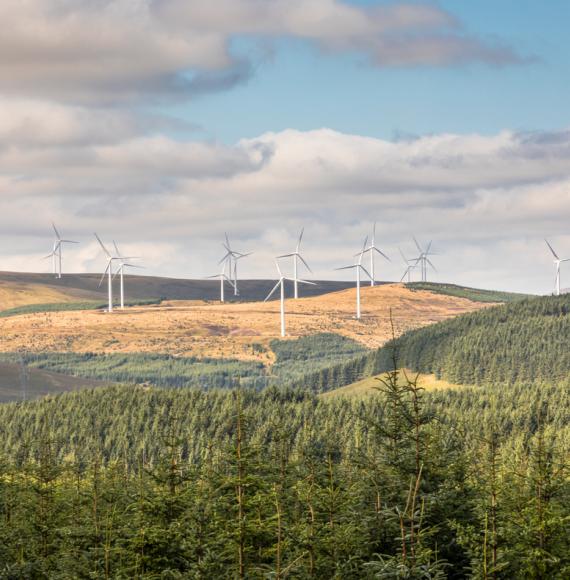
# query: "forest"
522,341
140,482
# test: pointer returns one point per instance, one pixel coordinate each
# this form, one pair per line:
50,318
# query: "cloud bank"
487,201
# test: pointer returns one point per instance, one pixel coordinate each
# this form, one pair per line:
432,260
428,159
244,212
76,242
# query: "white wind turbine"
223,277
358,267
410,265
372,249
123,263
56,253
281,284
423,259
557,262
296,255
108,272
231,258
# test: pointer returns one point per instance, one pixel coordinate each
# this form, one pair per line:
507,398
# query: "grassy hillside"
475,294
522,341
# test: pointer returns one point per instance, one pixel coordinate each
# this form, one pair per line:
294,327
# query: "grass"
68,307
474,294
367,386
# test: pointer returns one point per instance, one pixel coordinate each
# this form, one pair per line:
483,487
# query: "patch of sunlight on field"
367,386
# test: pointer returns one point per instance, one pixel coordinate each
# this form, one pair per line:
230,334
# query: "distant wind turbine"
109,271
410,265
231,258
56,253
296,255
223,277
281,284
123,263
358,267
373,249
557,262
423,259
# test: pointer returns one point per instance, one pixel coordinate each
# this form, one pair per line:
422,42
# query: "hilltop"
233,330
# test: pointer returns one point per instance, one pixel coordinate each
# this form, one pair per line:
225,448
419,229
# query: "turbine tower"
223,279
373,249
358,267
231,258
123,263
423,259
108,272
56,252
557,262
296,255
281,284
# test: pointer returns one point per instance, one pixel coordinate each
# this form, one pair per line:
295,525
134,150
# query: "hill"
232,330
475,294
20,288
523,341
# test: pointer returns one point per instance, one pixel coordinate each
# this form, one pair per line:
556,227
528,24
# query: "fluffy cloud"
109,51
487,201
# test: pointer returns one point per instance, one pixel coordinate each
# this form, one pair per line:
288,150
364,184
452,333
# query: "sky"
162,124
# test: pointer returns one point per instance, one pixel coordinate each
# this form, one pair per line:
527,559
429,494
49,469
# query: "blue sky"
301,87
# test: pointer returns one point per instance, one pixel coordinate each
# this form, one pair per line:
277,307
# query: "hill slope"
522,341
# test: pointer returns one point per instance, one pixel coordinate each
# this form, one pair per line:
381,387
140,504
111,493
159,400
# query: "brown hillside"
229,330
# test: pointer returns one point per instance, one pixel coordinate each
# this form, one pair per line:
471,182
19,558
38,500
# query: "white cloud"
487,201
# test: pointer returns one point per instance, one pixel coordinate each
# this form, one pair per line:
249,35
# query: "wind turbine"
296,255
410,265
223,277
423,259
233,256
557,262
109,272
371,249
119,272
358,267
56,252
281,284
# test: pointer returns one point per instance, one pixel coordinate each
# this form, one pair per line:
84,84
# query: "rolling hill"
18,289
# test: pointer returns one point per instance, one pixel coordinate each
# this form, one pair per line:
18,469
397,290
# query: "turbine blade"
381,253
552,250
274,288
102,246
104,274
402,254
302,281
286,256
55,230
278,269
428,261
306,265
405,274
300,239
417,245
348,267
365,271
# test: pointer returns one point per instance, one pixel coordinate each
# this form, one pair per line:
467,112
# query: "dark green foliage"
475,294
302,362
137,482
518,342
